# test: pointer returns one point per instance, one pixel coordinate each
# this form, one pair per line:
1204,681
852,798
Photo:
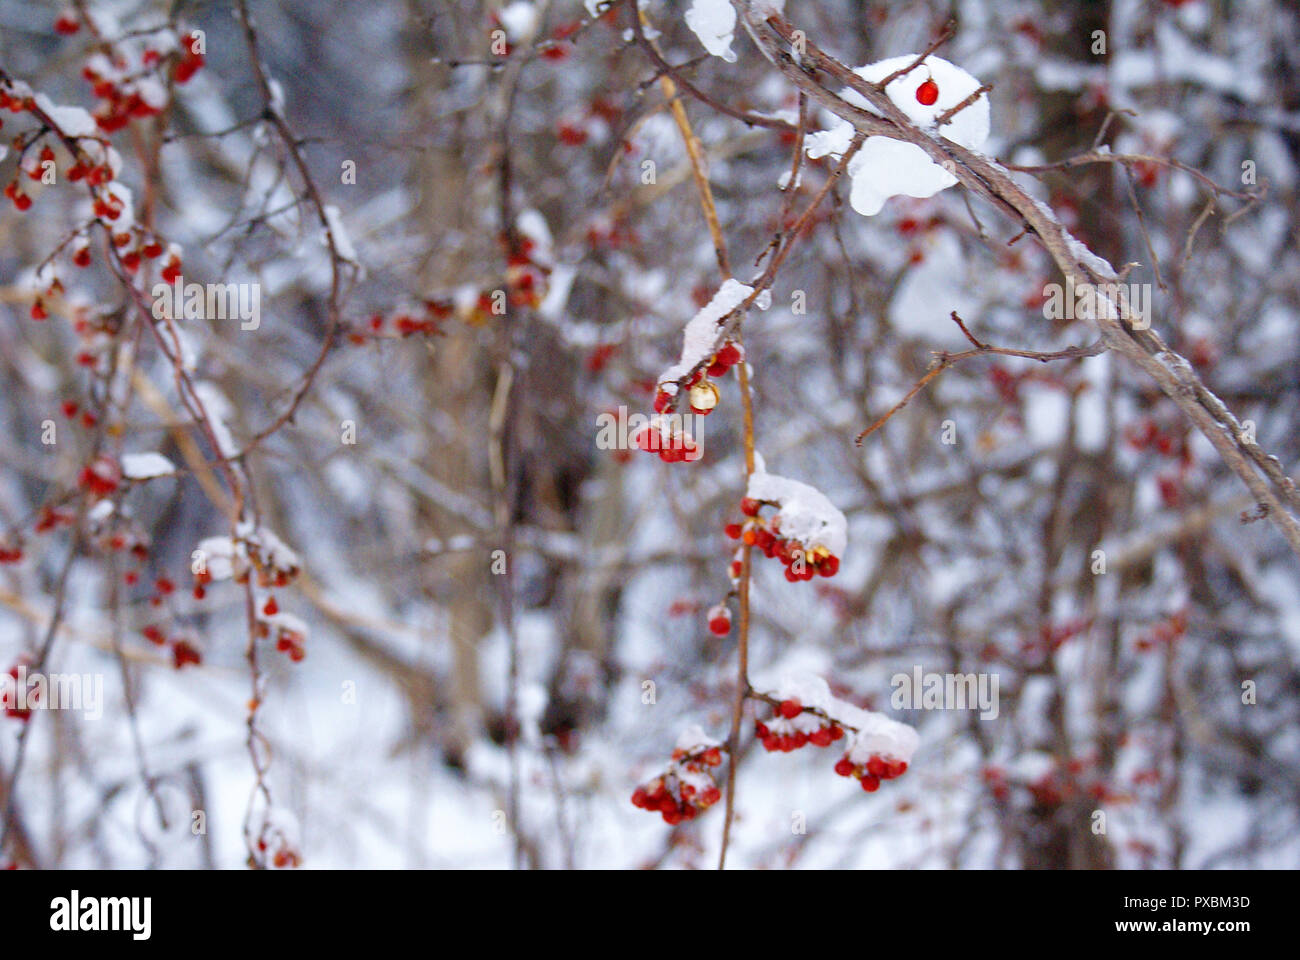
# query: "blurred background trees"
451,714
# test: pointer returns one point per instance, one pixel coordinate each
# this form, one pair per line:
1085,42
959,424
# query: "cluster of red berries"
780,734
869,774
71,408
14,192
183,652
404,323
284,856
685,790
701,393
101,476
192,59
290,636
1054,787
51,518
663,436
802,562
1146,434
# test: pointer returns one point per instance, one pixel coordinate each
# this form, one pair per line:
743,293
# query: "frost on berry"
794,523
806,713
719,618
686,787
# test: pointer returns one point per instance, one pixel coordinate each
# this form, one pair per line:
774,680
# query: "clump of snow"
871,734
884,167
714,22
218,411
146,466
342,242
702,330
805,514
519,20
71,121
881,736
227,558
693,739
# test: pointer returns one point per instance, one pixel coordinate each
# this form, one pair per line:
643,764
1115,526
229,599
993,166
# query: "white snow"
519,20
701,335
72,121
806,515
145,466
714,22
342,242
693,738
886,168
876,733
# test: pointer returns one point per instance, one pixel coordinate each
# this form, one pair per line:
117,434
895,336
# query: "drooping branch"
1262,473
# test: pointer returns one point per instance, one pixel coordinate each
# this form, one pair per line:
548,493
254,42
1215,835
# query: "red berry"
733,530
729,355
844,767
870,784
876,767
749,507
720,625
791,709
927,93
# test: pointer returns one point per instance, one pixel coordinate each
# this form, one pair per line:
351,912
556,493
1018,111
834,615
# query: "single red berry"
844,767
927,93
733,530
720,625
749,507
729,355
791,709
870,784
